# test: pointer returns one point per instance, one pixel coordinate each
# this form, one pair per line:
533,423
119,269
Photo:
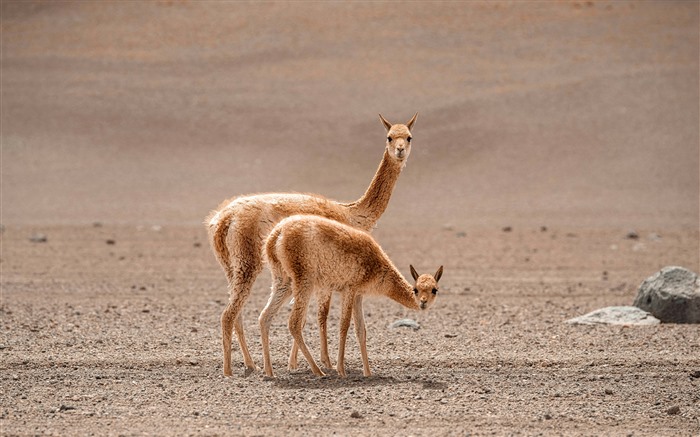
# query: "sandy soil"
572,123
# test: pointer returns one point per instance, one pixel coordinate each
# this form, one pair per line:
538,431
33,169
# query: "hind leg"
279,294
241,281
324,303
297,320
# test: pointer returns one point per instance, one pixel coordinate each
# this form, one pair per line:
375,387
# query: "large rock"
616,316
672,295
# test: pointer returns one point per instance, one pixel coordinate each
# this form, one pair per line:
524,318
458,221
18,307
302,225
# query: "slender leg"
279,294
361,333
296,323
324,304
241,281
293,354
346,315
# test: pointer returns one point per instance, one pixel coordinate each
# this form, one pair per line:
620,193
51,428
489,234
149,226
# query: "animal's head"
425,289
398,138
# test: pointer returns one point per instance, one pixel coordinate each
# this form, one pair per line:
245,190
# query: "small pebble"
608,391
111,242
461,234
356,415
543,228
695,374
507,229
632,235
38,238
673,410
405,323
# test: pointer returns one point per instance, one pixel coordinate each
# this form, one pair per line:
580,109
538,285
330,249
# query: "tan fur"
239,225
310,253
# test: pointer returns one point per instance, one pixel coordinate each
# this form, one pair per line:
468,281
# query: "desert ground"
555,166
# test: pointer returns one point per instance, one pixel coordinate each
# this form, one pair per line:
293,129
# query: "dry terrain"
548,131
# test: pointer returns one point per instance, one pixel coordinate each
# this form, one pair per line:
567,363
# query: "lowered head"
425,288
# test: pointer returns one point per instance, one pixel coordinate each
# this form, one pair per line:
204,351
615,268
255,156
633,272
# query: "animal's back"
324,251
253,217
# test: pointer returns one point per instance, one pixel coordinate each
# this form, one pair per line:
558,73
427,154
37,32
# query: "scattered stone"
38,238
65,408
111,242
405,323
356,415
15,377
507,229
543,228
695,374
96,225
673,410
197,244
608,391
632,235
672,295
2,346
547,416
156,228
450,335
654,237
627,315
461,234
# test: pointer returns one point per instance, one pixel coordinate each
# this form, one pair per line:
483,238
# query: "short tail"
218,233
270,252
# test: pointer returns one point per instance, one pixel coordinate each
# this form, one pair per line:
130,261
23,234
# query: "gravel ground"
114,330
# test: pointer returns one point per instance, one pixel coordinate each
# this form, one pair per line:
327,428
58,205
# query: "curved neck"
396,288
373,203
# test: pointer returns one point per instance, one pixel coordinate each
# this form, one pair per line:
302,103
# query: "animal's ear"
414,273
410,123
438,274
386,124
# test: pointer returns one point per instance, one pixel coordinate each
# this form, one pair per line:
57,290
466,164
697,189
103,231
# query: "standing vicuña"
238,227
310,253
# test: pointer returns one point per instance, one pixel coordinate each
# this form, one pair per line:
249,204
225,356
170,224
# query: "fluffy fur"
238,227
311,253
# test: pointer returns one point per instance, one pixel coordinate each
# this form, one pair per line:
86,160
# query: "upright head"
398,138
426,287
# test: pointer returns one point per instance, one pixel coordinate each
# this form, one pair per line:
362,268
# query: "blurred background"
538,113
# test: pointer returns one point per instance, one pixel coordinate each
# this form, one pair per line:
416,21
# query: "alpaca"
238,227
307,253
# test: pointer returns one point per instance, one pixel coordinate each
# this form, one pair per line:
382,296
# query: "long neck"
395,287
373,203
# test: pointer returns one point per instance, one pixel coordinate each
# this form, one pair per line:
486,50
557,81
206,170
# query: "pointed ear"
386,124
414,273
409,125
438,274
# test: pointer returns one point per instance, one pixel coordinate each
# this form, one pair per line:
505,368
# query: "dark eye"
409,139
434,290
415,290
388,139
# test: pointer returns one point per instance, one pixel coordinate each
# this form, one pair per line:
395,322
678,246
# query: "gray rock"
38,238
672,295
616,316
405,323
